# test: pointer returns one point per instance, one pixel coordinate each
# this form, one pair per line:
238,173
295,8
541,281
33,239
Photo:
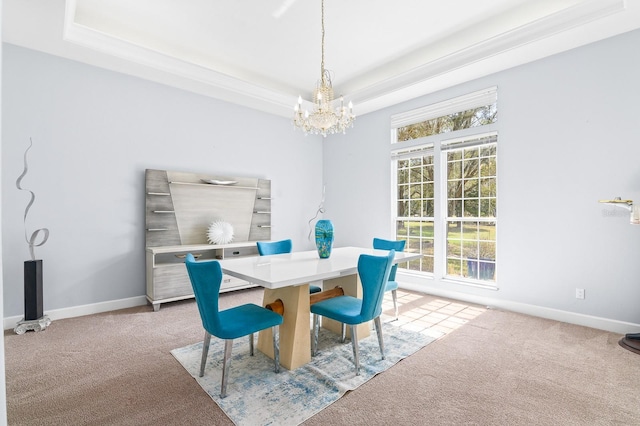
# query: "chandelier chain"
324,119
322,26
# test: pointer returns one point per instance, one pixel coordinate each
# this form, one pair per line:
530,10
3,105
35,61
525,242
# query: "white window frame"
436,143
411,152
445,147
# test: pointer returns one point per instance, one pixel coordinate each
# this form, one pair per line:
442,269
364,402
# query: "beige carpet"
496,368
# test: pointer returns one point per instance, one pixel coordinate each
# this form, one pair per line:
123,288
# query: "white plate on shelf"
219,182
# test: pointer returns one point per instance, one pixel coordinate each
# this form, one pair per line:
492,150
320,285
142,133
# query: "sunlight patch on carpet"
258,396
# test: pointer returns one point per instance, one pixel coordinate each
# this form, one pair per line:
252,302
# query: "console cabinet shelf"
179,209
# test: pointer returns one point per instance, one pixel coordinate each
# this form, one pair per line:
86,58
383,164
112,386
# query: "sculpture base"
36,325
631,342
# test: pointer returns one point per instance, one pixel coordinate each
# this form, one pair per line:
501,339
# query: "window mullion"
440,211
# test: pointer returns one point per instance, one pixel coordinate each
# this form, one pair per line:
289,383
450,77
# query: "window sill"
470,283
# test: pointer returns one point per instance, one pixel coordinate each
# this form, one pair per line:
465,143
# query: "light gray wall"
568,137
94,134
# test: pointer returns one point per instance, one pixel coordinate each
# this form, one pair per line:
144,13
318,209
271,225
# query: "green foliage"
460,120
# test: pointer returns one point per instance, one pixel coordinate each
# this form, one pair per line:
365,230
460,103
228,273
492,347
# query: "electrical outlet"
579,293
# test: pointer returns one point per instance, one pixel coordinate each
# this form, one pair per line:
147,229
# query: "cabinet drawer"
233,283
170,281
230,253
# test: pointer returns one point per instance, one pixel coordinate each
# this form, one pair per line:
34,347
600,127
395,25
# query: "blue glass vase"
324,238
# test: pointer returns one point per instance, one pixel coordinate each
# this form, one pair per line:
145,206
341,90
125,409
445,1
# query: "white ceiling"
264,53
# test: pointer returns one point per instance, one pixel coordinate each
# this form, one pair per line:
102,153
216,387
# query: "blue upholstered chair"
244,320
374,273
392,284
276,247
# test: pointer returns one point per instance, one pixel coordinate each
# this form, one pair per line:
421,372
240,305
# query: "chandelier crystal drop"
324,119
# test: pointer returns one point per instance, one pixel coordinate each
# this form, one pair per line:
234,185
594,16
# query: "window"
471,209
416,206
444,162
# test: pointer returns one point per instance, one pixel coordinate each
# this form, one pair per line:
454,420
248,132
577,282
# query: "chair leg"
343,336
314,337
228,344
205,351
378,324
251,344
276,349
354,343
394,296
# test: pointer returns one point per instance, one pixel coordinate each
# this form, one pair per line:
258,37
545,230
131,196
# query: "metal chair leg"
314,337
228,344
378,324
205,351
343,337
354,343
276,349
251,344
394,296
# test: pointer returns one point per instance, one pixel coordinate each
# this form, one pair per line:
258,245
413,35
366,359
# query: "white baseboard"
614,326
600,323
77,311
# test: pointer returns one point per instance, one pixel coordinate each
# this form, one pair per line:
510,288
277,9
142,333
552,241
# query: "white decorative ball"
220,232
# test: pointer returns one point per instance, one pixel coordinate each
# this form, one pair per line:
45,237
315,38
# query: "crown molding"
389,91
221,86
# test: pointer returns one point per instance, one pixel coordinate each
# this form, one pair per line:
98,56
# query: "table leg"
295,337
352,287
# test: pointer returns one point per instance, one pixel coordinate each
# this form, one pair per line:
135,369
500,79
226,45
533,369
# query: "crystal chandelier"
323,119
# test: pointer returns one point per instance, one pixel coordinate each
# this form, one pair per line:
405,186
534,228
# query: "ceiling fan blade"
286,4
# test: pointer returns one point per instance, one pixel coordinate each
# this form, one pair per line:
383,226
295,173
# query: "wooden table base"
295,331
295,336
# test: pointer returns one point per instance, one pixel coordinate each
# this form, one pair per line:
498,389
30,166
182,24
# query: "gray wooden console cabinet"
179,209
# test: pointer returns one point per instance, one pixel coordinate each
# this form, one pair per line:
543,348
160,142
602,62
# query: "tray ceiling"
263,54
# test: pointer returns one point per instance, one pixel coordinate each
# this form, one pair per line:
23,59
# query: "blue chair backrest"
380,244
274,247
374,273
206,278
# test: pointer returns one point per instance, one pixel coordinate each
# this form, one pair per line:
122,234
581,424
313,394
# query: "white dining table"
287,277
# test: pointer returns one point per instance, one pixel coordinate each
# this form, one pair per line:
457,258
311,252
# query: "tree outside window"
467,175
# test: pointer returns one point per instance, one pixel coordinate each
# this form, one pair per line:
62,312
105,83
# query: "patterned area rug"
258,396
